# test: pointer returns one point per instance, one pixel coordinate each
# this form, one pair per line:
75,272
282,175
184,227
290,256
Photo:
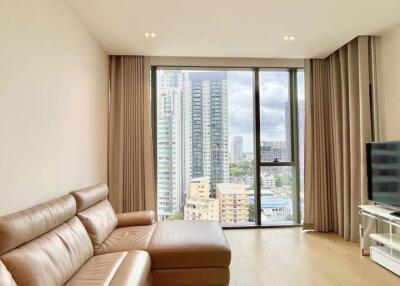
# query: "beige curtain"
130,158
338,124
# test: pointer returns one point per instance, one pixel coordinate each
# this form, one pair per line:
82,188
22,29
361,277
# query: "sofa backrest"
96,212
21,227
5,276
46,244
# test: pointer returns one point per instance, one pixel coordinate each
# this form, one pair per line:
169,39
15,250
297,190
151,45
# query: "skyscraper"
169,144
237,148
192,134
274,151
209,126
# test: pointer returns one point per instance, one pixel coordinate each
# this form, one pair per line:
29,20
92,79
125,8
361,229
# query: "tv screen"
383,166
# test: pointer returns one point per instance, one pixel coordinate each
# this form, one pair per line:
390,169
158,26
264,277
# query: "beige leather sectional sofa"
77,239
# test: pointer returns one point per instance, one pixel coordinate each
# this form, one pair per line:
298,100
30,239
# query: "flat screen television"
383,168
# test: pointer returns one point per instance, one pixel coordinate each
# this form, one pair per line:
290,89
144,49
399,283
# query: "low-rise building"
200,188
199,208
233,203
268,181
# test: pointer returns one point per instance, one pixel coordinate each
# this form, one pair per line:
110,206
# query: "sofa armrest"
135,218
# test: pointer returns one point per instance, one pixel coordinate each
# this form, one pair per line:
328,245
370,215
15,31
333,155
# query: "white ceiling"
233,28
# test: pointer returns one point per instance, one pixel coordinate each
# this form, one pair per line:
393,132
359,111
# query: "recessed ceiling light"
149,34
289,38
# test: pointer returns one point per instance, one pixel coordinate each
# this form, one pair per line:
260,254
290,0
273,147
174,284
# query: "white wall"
388,63
53,104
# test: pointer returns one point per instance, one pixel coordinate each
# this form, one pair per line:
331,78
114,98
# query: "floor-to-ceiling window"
227,145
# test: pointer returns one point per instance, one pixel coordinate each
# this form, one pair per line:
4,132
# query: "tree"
252,213
278,180
176,216
241,169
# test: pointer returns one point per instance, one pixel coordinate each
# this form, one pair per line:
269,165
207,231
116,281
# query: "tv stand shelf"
387,253
379,212
386,239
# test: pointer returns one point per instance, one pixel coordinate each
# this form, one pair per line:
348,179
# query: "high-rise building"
237,148
300,132
300,126
169,145
209,126
233,203
274,151
192,135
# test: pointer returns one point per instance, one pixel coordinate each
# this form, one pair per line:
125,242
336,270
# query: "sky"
273,97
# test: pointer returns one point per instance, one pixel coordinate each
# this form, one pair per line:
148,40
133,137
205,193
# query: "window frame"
258,164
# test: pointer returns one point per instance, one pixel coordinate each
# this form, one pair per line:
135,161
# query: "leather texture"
48,245
21,227
52,258
89,196
99,220
5,276
127,238
120,268
188,244
212,276
135,218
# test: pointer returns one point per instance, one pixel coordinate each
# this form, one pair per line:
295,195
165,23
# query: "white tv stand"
387,251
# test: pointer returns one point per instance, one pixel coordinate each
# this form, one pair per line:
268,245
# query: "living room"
199,142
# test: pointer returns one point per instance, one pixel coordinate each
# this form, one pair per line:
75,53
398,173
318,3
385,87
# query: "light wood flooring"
289,256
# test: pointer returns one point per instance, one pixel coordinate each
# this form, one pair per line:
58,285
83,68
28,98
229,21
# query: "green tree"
176,216
241,169
279,180
252,213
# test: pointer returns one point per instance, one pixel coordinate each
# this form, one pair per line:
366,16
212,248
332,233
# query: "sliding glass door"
227,145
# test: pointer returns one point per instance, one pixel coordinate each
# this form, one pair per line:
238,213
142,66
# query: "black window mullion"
257,157
294,145
277,164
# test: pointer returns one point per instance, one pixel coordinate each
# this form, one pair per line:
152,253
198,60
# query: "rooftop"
231,188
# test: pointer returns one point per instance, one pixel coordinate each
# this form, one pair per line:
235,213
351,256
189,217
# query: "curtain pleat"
131,164
338,125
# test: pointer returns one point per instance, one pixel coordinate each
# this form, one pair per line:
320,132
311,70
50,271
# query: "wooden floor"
289,256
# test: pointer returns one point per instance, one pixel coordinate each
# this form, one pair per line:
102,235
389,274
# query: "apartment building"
233,203
199,205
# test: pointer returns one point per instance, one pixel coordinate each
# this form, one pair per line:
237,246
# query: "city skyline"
205,128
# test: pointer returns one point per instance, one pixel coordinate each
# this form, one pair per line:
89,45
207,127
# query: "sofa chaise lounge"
78,239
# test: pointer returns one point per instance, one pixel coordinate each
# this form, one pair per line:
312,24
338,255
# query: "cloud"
273,100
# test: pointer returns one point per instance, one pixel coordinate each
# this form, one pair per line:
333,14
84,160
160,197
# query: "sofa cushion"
89,196
51,259
23,226
188,244
127,238
210,276
99,220
120,268
5,276
135,218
